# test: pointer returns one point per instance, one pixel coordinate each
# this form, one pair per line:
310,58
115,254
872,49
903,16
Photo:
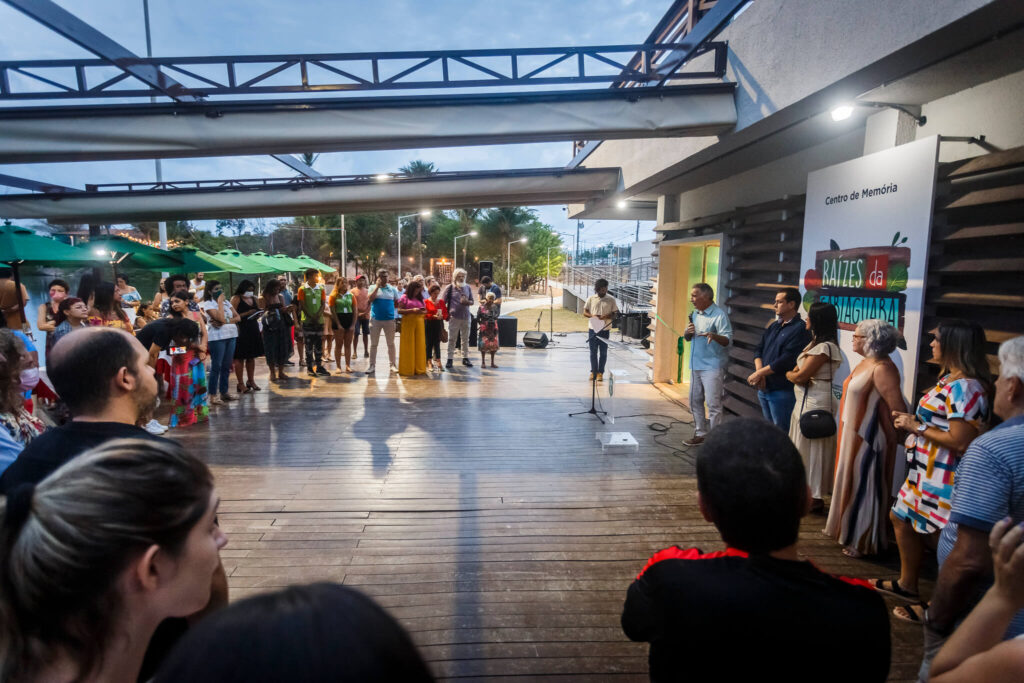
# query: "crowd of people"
944,473
109,538
232,329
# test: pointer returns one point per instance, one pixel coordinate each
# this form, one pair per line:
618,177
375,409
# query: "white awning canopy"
471,189
148,131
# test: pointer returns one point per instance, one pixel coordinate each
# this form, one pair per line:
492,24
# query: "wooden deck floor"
473,508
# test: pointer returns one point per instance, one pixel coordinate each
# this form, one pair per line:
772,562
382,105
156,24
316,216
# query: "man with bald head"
104,377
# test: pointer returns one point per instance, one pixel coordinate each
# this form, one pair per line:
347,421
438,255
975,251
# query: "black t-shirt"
725,616
156,332
53,448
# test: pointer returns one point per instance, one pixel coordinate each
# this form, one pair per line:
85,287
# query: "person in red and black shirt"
754,611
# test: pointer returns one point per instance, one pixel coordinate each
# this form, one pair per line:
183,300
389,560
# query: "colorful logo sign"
862,283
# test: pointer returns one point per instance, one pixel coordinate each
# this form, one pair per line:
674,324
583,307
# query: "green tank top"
343,303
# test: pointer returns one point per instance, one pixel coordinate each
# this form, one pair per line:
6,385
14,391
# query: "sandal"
892,587
852,552
909,614
242,389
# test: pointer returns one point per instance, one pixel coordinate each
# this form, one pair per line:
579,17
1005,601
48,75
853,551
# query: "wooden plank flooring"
473,508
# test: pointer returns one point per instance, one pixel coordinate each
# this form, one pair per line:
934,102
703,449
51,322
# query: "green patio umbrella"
20,245
311,262
269,261
198,261
243,263
118,251
290,263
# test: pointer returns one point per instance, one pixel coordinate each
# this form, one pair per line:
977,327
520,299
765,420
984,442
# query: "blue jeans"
222,353
777,406
598,350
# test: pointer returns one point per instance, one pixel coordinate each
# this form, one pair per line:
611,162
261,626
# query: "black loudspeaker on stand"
535,340
486,269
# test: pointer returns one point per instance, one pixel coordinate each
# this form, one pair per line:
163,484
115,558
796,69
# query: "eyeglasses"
858,336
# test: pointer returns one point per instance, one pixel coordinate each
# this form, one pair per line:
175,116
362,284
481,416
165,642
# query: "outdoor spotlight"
523,240
621,204
382,177
426,212
473,234
842,112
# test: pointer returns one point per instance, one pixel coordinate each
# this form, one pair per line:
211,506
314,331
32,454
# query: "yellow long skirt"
412,354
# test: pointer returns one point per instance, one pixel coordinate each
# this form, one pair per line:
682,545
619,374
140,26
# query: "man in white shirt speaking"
710,333
600,309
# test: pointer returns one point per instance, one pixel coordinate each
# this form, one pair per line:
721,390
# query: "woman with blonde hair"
866,443
94,557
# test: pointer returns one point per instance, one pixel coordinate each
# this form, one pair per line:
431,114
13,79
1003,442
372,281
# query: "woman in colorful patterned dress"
948,418
20,425
487,332
106,309
866,443
187,386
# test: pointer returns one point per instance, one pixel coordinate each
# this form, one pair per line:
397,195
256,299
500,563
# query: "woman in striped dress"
948,418
867,443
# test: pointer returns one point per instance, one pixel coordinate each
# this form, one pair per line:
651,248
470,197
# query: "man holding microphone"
601,310
710,333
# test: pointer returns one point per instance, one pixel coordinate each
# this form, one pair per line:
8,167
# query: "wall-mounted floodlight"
621,204
844,111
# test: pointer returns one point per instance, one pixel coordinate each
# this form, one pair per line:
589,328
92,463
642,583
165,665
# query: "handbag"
820,423
444,334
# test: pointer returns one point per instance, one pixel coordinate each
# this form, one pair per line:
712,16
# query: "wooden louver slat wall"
977,252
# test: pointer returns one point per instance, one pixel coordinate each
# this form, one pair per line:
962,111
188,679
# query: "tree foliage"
371,237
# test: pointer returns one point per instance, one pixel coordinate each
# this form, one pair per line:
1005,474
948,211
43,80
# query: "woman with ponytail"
98,554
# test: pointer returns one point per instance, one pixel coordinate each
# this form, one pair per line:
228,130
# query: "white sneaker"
394,368
155,428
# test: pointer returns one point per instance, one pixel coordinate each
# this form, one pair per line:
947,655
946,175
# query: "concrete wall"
785,176
994,109
783,51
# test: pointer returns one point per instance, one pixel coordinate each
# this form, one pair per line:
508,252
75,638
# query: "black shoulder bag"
818,424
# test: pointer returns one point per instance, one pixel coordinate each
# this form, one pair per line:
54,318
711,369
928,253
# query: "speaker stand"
593,403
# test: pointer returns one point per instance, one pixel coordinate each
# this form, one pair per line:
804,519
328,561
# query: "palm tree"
418,169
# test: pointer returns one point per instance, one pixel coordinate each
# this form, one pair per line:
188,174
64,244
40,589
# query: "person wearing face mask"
17,376
249,346
222,331
71,315
46,319
458,297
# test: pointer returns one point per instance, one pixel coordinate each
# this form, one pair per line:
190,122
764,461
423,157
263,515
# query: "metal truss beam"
296,164
77,31
34,185
320,73
169,130
191,200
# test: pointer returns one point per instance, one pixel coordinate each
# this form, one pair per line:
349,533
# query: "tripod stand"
593,387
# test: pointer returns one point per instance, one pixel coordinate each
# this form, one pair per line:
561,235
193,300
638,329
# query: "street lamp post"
508,265
551,295
455,248
425,212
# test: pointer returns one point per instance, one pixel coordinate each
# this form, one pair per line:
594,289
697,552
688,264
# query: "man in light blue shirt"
710,334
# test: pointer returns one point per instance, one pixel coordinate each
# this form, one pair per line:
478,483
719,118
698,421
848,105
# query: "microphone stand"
593,388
